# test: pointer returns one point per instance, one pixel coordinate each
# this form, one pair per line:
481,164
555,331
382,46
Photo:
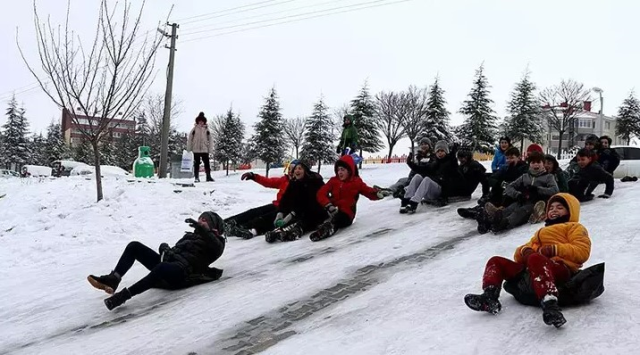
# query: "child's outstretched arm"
369,192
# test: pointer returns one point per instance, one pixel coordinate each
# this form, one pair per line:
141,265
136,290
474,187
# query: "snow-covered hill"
390,284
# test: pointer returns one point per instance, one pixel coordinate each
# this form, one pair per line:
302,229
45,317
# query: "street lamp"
601,112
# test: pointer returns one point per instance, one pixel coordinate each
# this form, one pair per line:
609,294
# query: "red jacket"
344,194
279,183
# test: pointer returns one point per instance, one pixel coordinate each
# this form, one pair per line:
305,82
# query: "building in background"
71,130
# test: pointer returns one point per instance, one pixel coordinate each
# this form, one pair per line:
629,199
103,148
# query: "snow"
53,234
105,170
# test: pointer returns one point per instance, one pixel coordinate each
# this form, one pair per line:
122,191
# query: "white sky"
392,46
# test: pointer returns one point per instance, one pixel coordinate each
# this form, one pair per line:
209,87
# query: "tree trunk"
522,145
227,167
267,172
98,172
319,165
297,148
413,146
629,141
390,152
561,133
362,159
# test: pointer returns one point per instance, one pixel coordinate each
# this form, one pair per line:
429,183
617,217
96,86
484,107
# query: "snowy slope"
391,284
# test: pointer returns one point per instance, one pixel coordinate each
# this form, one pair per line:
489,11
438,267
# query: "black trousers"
196,163
579,188
259,218
341,220
161,273
518,214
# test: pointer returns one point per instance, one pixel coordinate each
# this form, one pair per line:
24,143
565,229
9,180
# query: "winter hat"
214,221
201,118
507,139
534,148
304,165
441,145
465,153
348,117
425,140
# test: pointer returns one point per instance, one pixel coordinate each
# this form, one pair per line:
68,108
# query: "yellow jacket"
571,239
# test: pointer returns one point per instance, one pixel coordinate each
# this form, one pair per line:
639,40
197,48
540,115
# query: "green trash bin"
143,166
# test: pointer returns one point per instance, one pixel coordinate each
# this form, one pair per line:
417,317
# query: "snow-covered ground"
393,284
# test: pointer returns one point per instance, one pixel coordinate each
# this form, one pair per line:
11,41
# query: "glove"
526,252
199,228
248,176
410,158
163,247
548,250
383,193
282,220
604,196
331,210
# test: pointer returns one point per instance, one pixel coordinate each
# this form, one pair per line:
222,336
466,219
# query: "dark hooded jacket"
198,249
562,177
442,171
473,173
300,198
344,194
609,159
595,174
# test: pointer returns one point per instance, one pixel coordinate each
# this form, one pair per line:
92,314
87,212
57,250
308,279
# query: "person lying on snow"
299,211
582,184
259,220
551,257
498,181
339,197
423,156
524,199
431,180
607,157
184,265
552,166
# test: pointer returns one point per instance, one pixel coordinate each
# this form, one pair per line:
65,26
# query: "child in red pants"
552,256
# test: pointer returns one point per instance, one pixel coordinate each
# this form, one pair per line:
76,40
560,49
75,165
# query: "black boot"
324,231
272,236
411,207
209,178
291,232
404,202
551,312
486,302
470,213
118,299
232,229
108,283
484,223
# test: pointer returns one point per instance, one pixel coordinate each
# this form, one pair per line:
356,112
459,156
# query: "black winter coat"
473,173
442,171
300,198
595,174
420,160
195,251
609,160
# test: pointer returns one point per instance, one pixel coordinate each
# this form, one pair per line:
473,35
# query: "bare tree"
561,105
99,84
388,119
413,111
338,119
294,129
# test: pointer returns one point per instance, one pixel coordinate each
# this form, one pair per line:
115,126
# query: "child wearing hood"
200,143
349,137
551,257
552,166
339,196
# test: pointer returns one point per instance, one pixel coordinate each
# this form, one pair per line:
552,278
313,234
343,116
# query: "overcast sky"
391,46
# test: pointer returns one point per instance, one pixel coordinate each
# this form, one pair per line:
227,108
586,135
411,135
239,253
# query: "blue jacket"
499,160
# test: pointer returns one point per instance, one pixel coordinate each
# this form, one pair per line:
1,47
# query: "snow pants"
400,184
579,188
517,214
196,163
170,274
259,218
422,188
544,272
341,220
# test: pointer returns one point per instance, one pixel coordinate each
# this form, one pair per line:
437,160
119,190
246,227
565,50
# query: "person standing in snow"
349,137
339,196
499,158
199,142
298,211
551,257
259,220
184,265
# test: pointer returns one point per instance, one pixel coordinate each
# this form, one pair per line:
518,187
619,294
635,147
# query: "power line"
260,15
227,12
295,20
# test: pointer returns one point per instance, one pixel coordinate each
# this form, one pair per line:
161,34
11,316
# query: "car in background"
8,174
64,167
629,161
35,171
105,170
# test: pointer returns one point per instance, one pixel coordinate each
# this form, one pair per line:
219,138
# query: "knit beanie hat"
425,140
201,118
442,145
534,148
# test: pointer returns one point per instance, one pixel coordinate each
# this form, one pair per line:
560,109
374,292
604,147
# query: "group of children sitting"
512,194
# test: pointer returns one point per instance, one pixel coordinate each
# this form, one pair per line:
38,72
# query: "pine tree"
83,152
107,150
436,124
4,162
628,123
479,126
318,142
37,147
363,108
16,144
269,137
126,150
55,147
525,116
228,136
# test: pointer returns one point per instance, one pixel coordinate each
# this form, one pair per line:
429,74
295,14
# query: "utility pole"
166,119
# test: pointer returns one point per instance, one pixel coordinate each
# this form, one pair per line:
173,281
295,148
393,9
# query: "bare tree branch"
388,119
294,129
412,111
100,86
